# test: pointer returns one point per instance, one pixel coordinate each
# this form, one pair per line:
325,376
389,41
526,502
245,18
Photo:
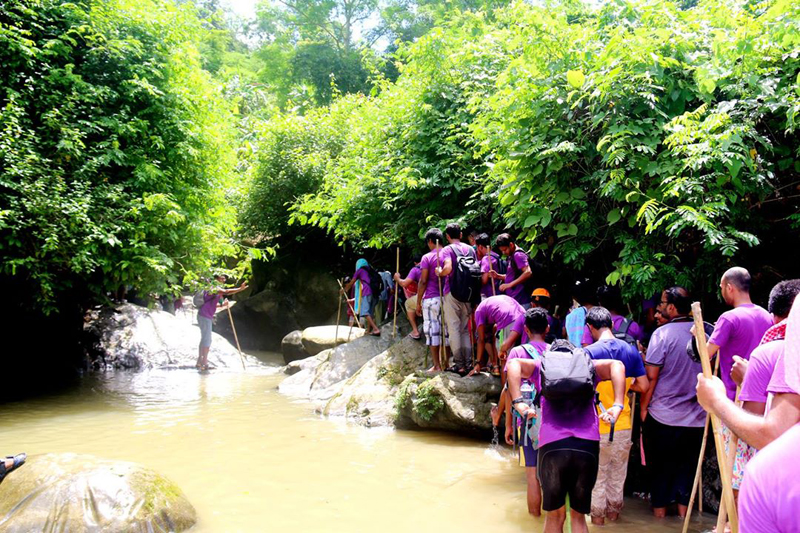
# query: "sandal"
418,337
475,370
375,334
495,371
18,459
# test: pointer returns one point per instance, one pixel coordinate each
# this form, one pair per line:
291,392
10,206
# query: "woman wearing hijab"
364,300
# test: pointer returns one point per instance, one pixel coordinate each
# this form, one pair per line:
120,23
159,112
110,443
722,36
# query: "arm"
228,292
712,350
610,369
402,282
481,343
518,369
757,431
421,286
447,267
652,378
739,370
640,384
508,343
350,284
520,279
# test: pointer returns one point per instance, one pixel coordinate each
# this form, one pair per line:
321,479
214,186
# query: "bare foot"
433,369
612,516
495,415
660,512
598,521
475,370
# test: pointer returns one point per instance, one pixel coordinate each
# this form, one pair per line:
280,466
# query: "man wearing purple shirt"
456,313
609,297
429,307
569,441
205,318
493,315
490,262
410,285
738,331
518,270
673,420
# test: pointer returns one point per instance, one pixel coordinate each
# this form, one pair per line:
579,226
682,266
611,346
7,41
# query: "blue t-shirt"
621,351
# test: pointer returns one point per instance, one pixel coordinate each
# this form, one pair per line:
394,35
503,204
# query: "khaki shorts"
411,304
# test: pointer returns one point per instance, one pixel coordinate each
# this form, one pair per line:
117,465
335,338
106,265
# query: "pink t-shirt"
778,384
769,500
502,311
759,371
633,330
490,262
738,332
429,262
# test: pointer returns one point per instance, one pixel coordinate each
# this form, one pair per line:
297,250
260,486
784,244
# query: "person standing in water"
205,317
364,299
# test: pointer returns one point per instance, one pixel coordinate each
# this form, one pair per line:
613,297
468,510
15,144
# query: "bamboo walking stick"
338,319
236,337
394,324
725,474
350,306
442,348
722,516
697,486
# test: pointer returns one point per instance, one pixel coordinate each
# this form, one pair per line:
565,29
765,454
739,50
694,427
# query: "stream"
251,459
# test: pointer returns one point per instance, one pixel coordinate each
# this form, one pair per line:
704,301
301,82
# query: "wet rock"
318,338
134,337
69,492
292,347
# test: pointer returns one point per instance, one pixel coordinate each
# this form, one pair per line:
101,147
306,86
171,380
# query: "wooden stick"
338,319
349,305
725,474
236,337
394,324
698,475
442,347
732,445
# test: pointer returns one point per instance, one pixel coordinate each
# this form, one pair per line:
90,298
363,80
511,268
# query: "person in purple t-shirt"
673,420
518,271
429,307
492,316
410,285
205,318
738,331
490,262
569,440
364,302
609,297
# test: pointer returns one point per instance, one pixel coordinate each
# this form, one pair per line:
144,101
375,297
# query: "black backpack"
622,333
465,281
567,374
375,281
540,276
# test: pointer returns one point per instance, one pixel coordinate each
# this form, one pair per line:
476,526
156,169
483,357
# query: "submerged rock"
134,337
70,492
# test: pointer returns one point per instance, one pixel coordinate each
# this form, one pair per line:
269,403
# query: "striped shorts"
432,325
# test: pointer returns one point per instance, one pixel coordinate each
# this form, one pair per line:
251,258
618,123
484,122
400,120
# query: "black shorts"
568,466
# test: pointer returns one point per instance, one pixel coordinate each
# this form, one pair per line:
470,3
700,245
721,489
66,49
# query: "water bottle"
528,424
527,393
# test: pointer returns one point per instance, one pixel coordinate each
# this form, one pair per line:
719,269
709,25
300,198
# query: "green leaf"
576,78
578,194
613,216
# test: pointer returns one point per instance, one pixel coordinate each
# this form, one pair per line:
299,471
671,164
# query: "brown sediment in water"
250,459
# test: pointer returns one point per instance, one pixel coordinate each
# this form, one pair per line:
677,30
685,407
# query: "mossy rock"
70,492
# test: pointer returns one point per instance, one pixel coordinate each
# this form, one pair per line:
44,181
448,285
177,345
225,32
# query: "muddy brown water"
251,459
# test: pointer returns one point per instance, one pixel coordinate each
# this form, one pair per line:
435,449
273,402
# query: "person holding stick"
672,419
430,306
364,299
205,317
490,265
410,286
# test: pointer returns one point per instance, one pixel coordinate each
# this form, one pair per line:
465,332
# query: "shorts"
528,455
366,307
568,467
744,452
432,325
205,324
411,304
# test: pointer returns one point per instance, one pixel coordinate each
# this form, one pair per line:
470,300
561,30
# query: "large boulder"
69,492
133,337
292,347
318,338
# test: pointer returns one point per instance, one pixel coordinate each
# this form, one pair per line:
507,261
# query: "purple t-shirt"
769,500
674,401
558,424
489,262
759,371
449,253
738,332
778,384
501,311
363,276
633,330
516,265
429,263
210,302
414,274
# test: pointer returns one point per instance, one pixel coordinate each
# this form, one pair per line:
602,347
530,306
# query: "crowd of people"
575,389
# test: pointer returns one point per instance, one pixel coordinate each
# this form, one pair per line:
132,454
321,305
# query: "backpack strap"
532,351
624,326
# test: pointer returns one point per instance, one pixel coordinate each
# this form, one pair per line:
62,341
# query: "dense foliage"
648,140
116,150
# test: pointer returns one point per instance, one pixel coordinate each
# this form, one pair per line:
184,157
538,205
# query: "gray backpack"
567,374
199,299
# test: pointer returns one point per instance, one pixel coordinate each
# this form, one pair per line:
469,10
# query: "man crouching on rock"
205,317
569,436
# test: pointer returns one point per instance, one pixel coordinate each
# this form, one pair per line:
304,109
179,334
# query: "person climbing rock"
365,299
205,317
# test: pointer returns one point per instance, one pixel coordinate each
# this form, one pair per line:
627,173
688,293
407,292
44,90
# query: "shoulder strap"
624,326
532,351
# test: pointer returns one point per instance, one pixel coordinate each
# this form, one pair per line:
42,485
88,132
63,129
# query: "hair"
416,258
738,277
609,297
542,301
536,320
453,230
599,317
483,240
473,232
583,292
679,297
434,235
782,296
504,239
